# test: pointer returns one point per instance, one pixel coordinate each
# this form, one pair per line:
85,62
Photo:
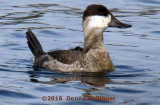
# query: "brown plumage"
92,58
67,56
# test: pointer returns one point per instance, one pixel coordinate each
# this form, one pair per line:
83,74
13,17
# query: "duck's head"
99,17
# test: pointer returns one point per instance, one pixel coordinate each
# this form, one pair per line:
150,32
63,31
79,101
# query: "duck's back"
67,56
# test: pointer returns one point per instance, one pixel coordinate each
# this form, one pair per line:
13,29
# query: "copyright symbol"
44,98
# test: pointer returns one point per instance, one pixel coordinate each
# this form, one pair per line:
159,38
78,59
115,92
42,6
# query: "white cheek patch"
99,21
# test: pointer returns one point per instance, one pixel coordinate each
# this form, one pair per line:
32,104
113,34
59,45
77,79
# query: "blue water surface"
58,25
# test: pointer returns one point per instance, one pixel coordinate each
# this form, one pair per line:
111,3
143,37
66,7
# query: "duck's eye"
101,13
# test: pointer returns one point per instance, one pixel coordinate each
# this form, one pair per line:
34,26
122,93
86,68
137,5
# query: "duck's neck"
93,39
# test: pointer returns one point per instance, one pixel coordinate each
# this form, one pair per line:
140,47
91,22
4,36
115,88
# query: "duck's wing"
68,56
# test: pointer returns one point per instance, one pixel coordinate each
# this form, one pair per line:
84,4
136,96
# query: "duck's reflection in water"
92,82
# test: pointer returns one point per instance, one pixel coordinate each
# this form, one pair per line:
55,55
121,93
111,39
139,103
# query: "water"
57,23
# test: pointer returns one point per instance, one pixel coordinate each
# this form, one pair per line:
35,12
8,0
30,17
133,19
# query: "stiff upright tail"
34,44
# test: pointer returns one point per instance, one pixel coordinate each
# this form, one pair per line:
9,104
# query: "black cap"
95,9
100,10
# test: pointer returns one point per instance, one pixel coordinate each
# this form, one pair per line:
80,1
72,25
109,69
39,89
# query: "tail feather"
33,43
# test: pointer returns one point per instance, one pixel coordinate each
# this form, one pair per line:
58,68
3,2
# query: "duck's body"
95,60
94,57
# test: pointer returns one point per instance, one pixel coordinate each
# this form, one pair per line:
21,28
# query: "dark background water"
57,24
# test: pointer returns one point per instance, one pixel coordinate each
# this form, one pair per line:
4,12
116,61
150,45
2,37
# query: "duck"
92,58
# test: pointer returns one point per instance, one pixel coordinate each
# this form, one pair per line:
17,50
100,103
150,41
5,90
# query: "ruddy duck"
94,57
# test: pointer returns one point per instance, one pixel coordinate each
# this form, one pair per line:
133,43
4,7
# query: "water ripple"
58,25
